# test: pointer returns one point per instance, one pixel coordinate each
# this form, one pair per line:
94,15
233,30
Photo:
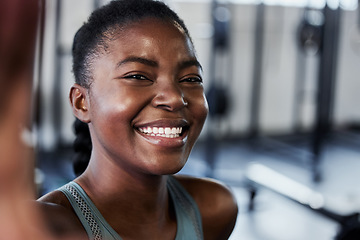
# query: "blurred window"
345,4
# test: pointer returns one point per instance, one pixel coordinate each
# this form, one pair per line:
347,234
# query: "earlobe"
79,102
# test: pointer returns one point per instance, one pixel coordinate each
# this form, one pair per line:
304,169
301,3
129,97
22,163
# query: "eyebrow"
141,60
190,63
151,63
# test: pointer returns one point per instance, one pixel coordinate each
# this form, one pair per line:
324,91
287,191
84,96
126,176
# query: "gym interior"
281,79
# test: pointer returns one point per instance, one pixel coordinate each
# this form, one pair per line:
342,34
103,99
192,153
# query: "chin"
167,169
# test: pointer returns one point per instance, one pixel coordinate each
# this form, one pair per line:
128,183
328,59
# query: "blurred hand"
19,218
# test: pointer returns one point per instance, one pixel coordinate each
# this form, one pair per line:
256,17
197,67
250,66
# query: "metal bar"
257,71
326,84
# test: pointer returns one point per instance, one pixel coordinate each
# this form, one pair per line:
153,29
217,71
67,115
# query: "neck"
141,198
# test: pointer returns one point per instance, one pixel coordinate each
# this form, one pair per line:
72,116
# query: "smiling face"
146,104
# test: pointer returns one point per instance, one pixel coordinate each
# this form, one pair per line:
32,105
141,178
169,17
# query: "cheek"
112,118
118,102
113,112
200,109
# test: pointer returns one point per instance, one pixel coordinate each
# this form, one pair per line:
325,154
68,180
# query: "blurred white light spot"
222,14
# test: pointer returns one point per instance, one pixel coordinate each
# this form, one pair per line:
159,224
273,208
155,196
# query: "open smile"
170,133
166,132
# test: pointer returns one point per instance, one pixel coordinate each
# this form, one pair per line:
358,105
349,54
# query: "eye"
192,79
137,77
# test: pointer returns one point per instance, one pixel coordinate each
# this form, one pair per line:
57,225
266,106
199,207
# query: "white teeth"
150,130
166,132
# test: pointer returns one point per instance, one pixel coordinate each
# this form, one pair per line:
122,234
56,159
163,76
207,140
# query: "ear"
79,102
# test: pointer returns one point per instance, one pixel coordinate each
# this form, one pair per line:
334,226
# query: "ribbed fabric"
189,226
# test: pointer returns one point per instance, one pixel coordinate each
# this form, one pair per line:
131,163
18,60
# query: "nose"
169,97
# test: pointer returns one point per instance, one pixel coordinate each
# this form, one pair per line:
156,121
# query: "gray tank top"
189,226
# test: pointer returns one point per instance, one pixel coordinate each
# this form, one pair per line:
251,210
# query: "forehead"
151,35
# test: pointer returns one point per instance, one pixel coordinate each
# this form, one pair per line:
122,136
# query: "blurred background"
281,78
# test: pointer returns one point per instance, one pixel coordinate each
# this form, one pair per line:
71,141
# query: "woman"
139,88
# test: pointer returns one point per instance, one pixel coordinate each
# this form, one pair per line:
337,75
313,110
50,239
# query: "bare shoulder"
59,215
217,205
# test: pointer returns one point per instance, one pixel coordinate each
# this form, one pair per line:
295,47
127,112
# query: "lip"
164,141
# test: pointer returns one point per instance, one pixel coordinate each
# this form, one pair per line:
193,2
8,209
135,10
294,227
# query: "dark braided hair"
91,40
82,147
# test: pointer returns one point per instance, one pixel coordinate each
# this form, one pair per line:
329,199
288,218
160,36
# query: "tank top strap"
95,225
187,212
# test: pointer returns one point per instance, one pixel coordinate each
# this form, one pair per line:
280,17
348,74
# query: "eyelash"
137,77
142,77
192,80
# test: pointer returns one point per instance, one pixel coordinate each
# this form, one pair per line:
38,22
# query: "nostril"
173,106
169,102
163,106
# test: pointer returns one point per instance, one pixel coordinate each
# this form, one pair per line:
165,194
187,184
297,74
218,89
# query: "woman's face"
146,103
